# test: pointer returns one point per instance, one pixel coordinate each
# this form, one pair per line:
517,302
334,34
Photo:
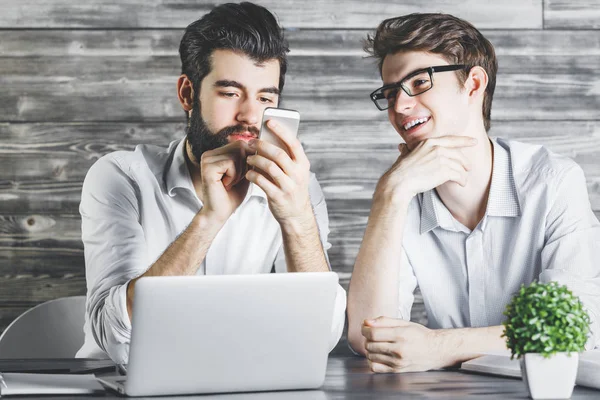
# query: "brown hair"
456,40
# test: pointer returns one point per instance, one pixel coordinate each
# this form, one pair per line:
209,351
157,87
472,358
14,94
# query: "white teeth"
413,123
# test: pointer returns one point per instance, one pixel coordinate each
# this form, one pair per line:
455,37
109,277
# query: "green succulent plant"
545,318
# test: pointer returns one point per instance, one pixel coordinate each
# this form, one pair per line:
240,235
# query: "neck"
468,204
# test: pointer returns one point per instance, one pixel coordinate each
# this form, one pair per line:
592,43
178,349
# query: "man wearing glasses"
466,218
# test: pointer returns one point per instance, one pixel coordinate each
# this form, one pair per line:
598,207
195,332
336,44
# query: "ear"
185,92
476,83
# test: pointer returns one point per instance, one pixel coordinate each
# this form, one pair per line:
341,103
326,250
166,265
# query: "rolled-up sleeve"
115,252
407,283
572,247
320,210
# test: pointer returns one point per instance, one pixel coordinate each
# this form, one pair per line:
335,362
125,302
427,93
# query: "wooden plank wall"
81,79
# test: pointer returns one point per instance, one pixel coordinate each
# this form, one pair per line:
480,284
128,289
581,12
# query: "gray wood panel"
519,51
90,76
569,14
37,289
109,14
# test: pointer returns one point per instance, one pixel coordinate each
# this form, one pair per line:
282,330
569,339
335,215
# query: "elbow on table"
112,344
110,332
356,341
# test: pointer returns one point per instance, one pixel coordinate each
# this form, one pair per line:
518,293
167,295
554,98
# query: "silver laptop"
228,333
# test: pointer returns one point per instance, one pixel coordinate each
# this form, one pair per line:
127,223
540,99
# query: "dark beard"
202,139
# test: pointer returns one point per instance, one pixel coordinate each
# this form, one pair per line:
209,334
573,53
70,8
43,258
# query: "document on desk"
499,363
24,384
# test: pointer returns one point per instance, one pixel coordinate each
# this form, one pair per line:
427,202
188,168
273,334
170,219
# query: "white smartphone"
290,119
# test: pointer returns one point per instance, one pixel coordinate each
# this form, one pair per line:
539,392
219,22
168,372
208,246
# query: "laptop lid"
230,333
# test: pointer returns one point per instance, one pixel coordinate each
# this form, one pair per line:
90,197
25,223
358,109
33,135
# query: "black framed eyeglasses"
414,84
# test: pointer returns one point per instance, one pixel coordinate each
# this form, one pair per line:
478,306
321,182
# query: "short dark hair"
246,27
456,40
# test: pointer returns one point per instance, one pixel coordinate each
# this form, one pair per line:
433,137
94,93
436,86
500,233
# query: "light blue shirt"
134,204
538,225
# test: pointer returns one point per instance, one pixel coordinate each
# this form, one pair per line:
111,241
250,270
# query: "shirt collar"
502,199
177,175
429,218
434,213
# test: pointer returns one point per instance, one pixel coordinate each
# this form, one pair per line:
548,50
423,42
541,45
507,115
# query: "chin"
413,140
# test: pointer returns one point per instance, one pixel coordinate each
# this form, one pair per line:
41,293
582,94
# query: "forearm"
302,245
184,256
463,344
374,285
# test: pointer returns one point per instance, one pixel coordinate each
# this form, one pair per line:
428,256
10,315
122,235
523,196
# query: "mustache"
231,130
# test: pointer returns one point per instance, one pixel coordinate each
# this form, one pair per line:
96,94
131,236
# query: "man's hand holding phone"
283,173
431,163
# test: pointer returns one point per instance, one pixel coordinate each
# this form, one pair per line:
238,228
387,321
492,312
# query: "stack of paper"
24,384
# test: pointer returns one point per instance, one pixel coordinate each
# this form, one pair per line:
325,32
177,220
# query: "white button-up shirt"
134,205
538,225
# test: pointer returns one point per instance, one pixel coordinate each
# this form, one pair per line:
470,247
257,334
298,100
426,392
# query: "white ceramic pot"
549,378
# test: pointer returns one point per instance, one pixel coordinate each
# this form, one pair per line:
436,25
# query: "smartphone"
290,119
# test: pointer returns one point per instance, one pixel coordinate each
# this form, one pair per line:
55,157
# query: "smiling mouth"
415,123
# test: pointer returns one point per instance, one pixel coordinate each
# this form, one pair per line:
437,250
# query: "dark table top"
348,377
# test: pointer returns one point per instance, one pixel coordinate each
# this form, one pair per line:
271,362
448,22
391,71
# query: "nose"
249,112
403,102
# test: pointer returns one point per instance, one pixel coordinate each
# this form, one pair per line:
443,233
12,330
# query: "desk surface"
348,377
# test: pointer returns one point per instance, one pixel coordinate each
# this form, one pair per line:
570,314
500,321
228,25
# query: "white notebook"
588,373
24,384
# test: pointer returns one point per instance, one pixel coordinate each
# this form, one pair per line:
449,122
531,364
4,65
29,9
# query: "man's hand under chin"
223,186
396,345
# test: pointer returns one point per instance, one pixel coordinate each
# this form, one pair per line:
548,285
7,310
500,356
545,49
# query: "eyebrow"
236,84
414,71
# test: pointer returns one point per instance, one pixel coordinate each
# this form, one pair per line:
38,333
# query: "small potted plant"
546,328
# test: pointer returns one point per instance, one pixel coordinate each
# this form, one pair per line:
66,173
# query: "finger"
289,138
445,170
231,173
384,322
380,368
374,334
237,151
451,141
270,189
458,155
385,359
272,170
453,154
275,154
392,366
239,146
213,159
451,170
457,174
403,149
228,168
380,347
